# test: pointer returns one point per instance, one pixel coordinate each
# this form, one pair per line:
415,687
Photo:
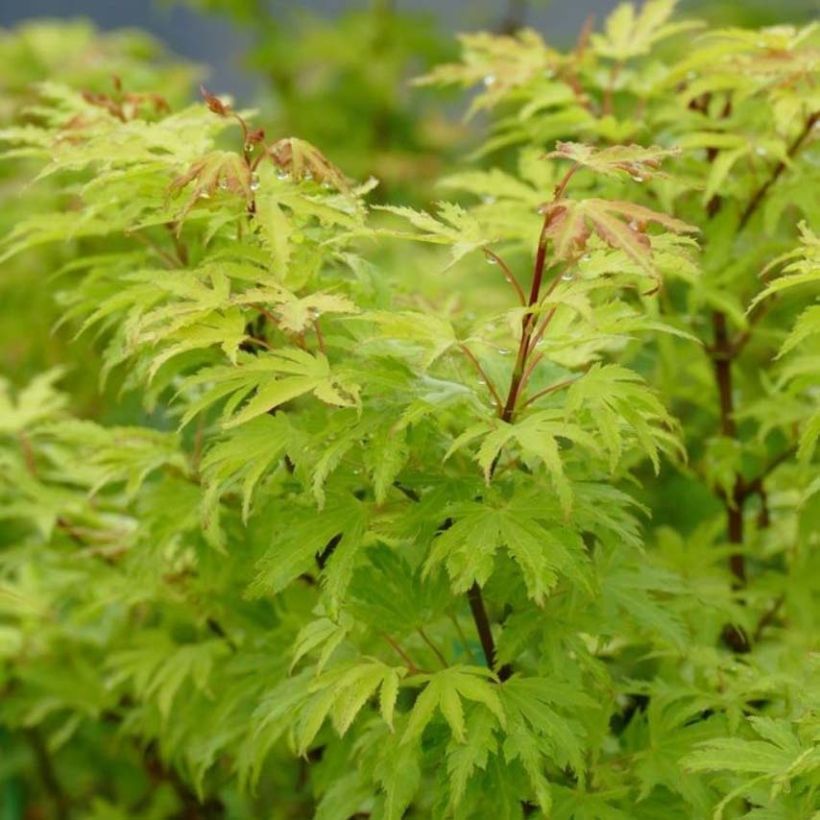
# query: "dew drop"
637,177
489,80
761,151
204,195
567,276
308,175
503,351
281,173
491,260
586,257
327,185
634,224
488,199
223,184
254,186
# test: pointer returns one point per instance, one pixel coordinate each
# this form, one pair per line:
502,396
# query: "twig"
411,666
257,341
547,390
320,339
768,617
151,245
28,453
485,635
761,192
722,358
436,651
481,372
508,274
755,485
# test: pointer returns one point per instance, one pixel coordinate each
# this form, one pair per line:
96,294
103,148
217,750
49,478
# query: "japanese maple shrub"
380,542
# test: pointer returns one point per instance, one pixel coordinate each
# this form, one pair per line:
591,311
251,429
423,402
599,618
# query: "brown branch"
485,634
722,358
723,351
761,192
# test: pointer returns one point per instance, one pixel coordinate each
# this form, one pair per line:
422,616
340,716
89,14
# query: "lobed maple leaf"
639,162
621,225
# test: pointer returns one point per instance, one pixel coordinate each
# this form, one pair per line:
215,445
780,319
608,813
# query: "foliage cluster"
505,506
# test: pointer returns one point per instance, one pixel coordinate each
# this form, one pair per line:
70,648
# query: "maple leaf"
629,34
216,172
304,161
639,162
620,225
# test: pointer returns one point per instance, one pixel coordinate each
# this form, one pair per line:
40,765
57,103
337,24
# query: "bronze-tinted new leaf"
621,225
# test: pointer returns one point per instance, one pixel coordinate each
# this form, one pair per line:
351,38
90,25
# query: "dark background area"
214,42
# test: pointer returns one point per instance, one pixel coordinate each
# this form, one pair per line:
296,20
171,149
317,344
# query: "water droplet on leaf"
281,173
489,80
254,183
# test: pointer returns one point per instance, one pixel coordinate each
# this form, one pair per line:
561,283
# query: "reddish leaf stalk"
471,357
528,326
